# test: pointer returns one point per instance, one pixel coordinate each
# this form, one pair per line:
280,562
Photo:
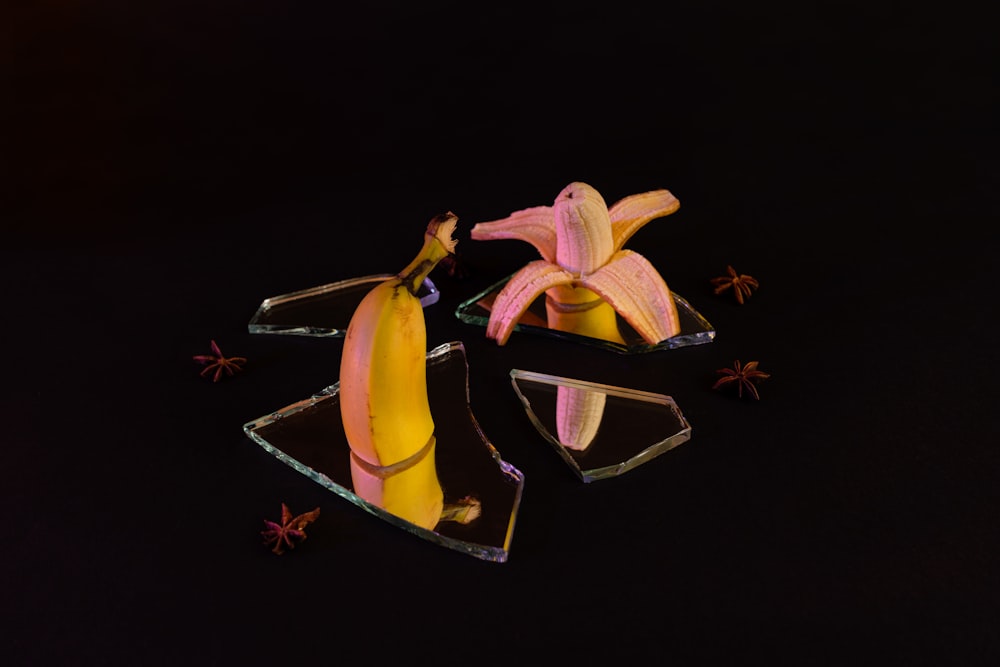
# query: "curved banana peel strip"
578,416
630,214
635,289
533,225
580,240
520,291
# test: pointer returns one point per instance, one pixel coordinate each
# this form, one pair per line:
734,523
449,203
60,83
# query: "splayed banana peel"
586,275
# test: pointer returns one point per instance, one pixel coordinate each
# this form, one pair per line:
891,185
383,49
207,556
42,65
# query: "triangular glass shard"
323,311
481,492
695,329
600,431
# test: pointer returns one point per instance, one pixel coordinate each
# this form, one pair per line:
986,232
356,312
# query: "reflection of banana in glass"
409,489
578,416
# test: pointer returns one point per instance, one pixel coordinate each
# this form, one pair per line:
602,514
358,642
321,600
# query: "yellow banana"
383,369
383,390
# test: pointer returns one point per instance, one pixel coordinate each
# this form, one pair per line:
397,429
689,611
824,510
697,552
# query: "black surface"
169,165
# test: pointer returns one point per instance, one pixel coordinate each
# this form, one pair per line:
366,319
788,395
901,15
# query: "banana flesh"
580,240
584,242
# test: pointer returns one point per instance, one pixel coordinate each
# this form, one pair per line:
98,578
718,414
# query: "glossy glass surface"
695,329
600,431
325,310
309,436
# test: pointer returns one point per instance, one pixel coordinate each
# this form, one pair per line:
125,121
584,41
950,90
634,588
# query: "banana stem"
438,244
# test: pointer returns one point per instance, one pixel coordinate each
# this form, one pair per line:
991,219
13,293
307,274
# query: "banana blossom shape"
585,274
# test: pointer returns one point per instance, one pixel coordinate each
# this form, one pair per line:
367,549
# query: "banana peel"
580,240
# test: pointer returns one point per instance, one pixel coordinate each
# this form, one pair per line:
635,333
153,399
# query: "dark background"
168,165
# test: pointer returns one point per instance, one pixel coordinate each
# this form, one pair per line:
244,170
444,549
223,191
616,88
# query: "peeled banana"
583,264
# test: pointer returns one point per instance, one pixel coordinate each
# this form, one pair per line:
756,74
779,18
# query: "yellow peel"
630,214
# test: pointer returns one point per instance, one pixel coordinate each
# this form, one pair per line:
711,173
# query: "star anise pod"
741,284
219,362
743,376
289,532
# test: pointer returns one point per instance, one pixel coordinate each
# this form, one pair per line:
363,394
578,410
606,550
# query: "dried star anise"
219,362
742,376
289,532
741,284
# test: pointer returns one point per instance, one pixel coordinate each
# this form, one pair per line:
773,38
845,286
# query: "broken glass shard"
600,431
323,311
695,329
476,494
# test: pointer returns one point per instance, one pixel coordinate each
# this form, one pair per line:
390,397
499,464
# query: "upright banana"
383,389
